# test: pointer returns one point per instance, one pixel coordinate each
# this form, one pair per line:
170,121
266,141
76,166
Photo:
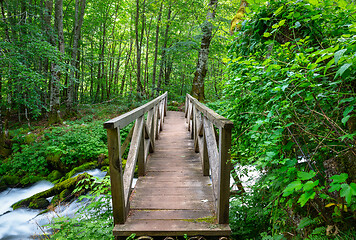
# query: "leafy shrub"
291,94
93,221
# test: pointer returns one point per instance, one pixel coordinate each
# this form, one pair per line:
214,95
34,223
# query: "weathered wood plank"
224,175
170,214
166,227
213,154
132,158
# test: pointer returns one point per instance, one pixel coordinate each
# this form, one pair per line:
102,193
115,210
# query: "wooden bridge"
183,167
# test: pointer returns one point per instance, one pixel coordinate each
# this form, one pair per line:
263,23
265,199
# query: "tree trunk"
156,51
78,22
163,58
145,78
54,100
201,70
139,44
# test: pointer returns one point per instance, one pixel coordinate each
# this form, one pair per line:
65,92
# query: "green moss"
40,203
68,184
211,220
11,180
29,179
64,194
84,167
54,175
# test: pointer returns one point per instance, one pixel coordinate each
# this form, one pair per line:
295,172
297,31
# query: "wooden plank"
201,192
224,175
116,176
132,158
127,141
212,153
126,118
165,227
142,203
169,214
150,126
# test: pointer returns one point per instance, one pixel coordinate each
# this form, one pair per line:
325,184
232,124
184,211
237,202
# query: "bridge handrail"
214,148
142,138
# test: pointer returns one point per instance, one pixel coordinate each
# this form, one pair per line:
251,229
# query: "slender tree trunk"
139,44
126,68
54,100
156,50
145,78
78,22
201,70
163,58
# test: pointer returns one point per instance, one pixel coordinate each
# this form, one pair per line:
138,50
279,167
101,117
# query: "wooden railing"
212,139
148,123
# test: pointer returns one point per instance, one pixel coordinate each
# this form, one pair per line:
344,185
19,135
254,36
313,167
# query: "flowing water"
25,223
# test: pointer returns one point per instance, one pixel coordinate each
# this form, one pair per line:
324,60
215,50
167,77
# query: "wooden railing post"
116,176
224,173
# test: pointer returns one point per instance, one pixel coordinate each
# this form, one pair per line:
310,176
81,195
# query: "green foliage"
291,94
61,148
93,221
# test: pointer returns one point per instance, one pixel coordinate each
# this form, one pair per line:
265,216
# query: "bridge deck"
173,198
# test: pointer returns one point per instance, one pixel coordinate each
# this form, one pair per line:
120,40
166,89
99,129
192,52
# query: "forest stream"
26,223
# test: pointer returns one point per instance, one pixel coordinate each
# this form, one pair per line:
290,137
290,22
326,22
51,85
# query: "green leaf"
348,191
310,185
305,222
304,198
305,175
293,186
339,178
350,99
266,34
348,110
282,22
345,119
342,69
314,2
278,11
338,55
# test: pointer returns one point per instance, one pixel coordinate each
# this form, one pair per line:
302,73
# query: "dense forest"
282,71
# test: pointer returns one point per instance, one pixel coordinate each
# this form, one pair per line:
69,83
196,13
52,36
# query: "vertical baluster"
141,149
116,176
224,173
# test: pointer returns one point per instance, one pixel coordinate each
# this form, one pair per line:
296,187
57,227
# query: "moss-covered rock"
64,195
54,175
29,179
39,203
68,184
81,168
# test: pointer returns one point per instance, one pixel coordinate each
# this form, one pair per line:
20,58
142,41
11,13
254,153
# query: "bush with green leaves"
291,94
93,221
